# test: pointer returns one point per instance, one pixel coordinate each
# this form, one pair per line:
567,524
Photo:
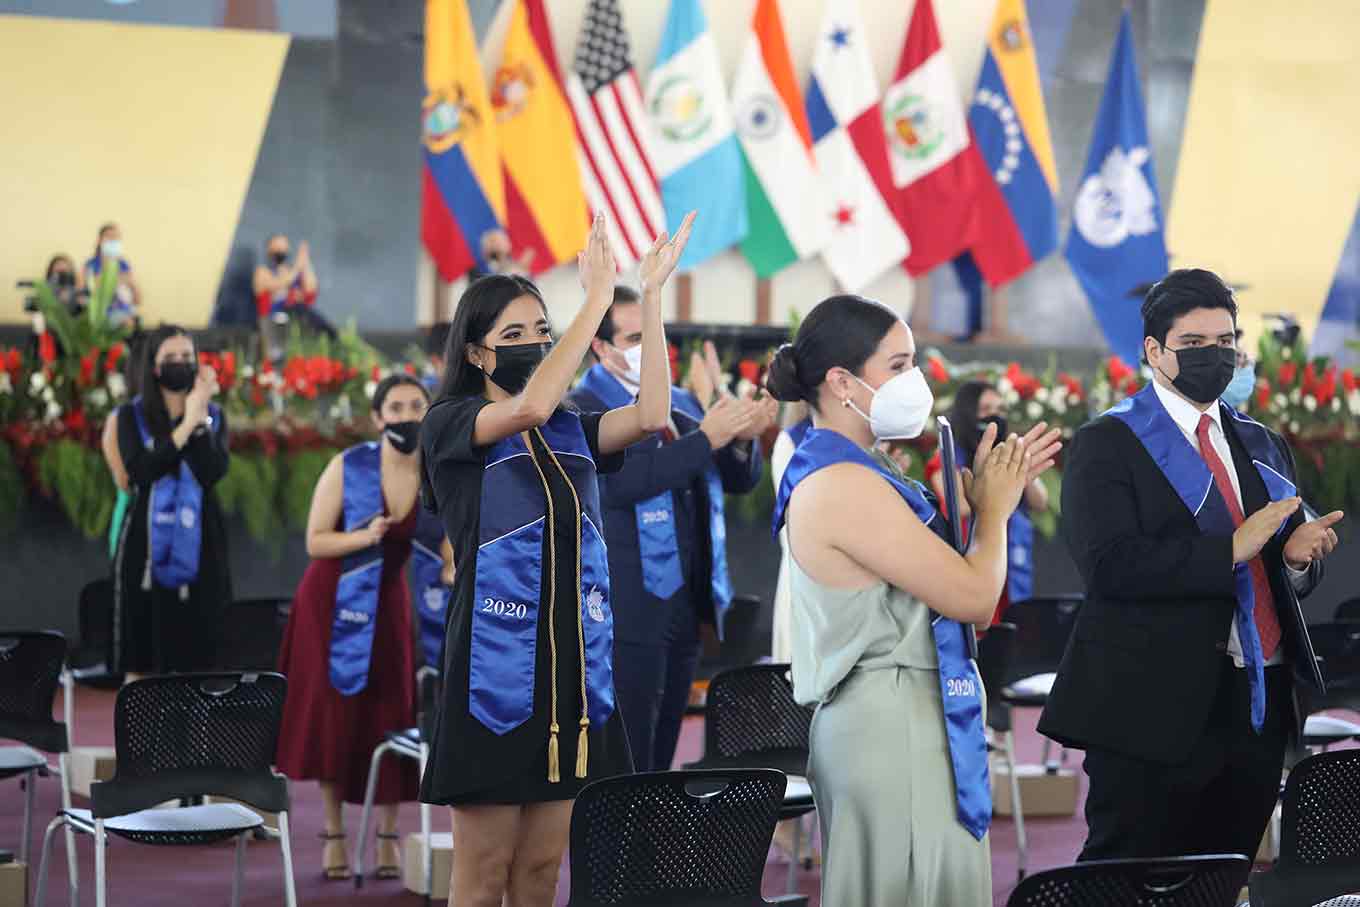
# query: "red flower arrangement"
1025,384
938,373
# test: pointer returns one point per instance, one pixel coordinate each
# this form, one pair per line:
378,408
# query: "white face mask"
900,407
633,356
111,248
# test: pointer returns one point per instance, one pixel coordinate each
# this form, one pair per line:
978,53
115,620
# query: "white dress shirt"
1186,416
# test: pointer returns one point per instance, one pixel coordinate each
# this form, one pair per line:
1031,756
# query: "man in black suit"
664,527
1185,524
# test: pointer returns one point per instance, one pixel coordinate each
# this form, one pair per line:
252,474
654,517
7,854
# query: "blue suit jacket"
650,468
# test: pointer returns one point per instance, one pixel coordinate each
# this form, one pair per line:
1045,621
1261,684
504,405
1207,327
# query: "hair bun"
782,379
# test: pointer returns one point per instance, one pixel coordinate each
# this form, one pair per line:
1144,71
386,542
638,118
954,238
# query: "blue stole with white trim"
798,431
960,685
356,595
1184,467
175,517
660,550
508,597
432,596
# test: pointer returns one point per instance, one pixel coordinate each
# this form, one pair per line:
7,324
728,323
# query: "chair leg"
1017,808
41,897
370,788
100,876
427,832
285,842
791,881
238,878
72,867
29,781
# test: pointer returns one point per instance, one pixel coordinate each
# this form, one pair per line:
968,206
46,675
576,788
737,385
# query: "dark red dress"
330,737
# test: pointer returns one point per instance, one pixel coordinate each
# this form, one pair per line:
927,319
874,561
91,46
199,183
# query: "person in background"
284,291
347,649
881,604
108,252
665,529
976,405
1239,389
527,715
171,579
499,258
64,281
435,340
797,422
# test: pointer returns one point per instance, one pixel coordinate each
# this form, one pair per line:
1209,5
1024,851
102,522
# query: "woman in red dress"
347,651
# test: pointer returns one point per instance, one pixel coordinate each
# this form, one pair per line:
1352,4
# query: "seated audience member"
498,258
62,280
127,298
285,291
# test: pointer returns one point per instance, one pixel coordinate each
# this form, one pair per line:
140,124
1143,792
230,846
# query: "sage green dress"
879,767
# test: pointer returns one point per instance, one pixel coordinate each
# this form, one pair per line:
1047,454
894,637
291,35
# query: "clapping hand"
1042,443
661,258
197,400
764,411
1312,541
596,263
999,475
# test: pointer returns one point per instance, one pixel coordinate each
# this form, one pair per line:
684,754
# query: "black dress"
155,631
468,762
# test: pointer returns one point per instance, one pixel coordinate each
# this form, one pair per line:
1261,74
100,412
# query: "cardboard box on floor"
14,883
1041,793
88,765
441,864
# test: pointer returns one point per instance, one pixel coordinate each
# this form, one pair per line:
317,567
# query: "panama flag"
695,151
852,152
1117,241
1017,217
927,137
462,192
783,199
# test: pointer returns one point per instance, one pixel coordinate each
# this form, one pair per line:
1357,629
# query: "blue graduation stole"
175,518
432,596
1184,467
508,598
960,685
356,595
798,431
661,573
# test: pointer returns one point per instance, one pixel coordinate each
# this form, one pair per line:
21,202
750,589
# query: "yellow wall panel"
154,127
1269,172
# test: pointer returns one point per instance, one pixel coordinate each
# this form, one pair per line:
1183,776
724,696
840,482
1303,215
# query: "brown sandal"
340,872
387,872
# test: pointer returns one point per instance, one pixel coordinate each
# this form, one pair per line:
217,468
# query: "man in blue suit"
665,528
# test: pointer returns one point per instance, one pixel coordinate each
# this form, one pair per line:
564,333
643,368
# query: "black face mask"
1002,427
1206,371
63,280
404,436
177,377
277,258
514,364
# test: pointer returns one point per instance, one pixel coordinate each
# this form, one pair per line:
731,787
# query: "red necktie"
1267,624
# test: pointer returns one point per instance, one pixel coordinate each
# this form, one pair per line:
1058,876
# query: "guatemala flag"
694,147
1117,240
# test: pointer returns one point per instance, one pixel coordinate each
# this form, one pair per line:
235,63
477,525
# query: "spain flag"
463,192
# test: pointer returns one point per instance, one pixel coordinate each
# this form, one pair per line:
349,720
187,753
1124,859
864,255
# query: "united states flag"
619,178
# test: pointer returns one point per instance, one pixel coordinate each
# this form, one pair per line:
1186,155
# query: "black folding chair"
752,721
31,666
996,654
1202,881
1320,835
411,743
1349,610
181,737
1338,646
697,838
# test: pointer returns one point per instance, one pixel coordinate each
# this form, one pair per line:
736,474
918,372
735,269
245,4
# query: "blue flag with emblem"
1117,242
175,517
1189,475
356,595
960,685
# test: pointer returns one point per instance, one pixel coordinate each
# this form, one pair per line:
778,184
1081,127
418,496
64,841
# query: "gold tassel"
554,770
583,748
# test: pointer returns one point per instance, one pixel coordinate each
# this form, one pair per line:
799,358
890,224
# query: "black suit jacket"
1143,664
650,468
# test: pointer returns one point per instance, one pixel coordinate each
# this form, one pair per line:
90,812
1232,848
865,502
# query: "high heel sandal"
339,872
387,871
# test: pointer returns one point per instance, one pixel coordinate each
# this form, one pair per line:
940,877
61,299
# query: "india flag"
784,202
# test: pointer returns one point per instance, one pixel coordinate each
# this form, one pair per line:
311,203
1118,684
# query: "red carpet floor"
152,877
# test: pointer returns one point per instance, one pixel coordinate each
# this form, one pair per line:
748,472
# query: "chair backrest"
1201,881
752,719
1321,813
1338,645
996,651
1042,628
189,735
30,669
698,838
252,634
1349,610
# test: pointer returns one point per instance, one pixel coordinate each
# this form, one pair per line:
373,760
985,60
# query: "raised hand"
596,262
701,380
999,480
725,420
661,258
1043,447
1250,537
1312,541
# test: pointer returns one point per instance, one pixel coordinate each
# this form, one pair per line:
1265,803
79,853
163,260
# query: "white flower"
1011,397
1280,401
1073,400
5,386
1353,401
1034,410
48,394
248,371
744,387
1286,352
53,411
1295,396
1310,403
1336,404
1004,386
335,411
1041,395
1058,404
370,388
1293,428
36,382
99,398
117,386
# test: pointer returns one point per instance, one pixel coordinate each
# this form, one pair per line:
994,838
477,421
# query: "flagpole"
764,299
684,298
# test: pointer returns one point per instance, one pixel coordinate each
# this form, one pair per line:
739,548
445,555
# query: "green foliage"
11,490
250,489
78,477
755,505
89,330
299,482
1046,523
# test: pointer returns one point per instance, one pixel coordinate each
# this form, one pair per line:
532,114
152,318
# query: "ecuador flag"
463,194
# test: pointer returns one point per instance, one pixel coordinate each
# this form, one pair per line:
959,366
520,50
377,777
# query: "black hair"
99,237
396,379
437,338
480,305
623,295
60,256
964,418
840,332
153,402
1179,292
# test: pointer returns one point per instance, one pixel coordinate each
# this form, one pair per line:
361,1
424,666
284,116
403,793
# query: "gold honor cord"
554,770
583,737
